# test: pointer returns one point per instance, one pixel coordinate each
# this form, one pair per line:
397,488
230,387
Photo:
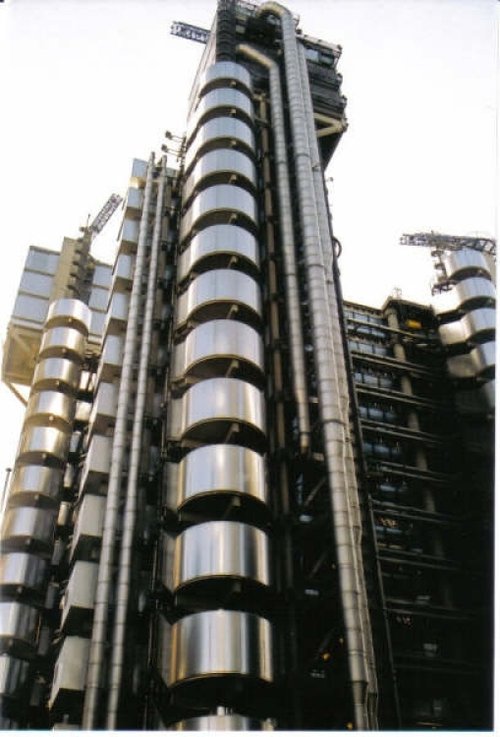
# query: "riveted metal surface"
211,295
220,132
24,525
33,485
220,642
213,344
219,204
220,469
13,675
223,399
465,262
22,570
43,443
223,73
224,101
480,361
69,312
221,548
46,407
219,245
19,627
472,326
62,341
222,166
219,723
471,293
56,373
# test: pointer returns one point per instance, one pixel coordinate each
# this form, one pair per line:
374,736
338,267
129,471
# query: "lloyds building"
239,502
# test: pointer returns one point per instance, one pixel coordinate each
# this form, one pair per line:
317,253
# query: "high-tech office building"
239,502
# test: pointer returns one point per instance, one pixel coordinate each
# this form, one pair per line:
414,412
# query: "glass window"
39,260
98,299
31,308
97,322
33,283
102,276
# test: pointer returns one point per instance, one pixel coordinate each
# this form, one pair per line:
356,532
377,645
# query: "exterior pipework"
130,514
331,417
339,367
105,576
288,242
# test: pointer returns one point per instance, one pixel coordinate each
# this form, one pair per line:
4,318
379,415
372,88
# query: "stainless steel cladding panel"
69,312
471,326
111,359
222,548
476,291
123,272
19,623
71,667
234,166
219,723
466,262
134,201
23,570
223,100
40,442
81,588
30,482
104,407
220,642
56,373
480,361
230,399
129,235
221,201
224,73
220,132
49,406
87,532
209,295
218,339
59,341
218,242
24,524
13,675
214,469
95,470
117,314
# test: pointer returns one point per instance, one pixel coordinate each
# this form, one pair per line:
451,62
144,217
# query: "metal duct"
331,417
105,577
474,327
131,499
288,243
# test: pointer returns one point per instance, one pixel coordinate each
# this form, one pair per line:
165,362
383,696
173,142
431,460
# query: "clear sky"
89,84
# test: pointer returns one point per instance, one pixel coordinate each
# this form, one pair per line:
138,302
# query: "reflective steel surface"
60,340
35,480
211,294
68,311
223,73
228,166
37,442
219,132
71,667
56,373
478,291
24,524
219,243
218,339
463,262
23,570
470,326
224,100
13,675
50,406
219,723
19,622
479,361
222,201
220,642
220,548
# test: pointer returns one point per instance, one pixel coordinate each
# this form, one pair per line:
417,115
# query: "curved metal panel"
221,469
13,675
220,549
220,132
219,723
25,525
35,484
60,341
480,361
41,442
49,406
221,642
224,73
226,101
210,347
476,291
222,203
463,263
223,166
219,245
19,623
212,294
23,570
55,373
471,326
223,399
69,312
